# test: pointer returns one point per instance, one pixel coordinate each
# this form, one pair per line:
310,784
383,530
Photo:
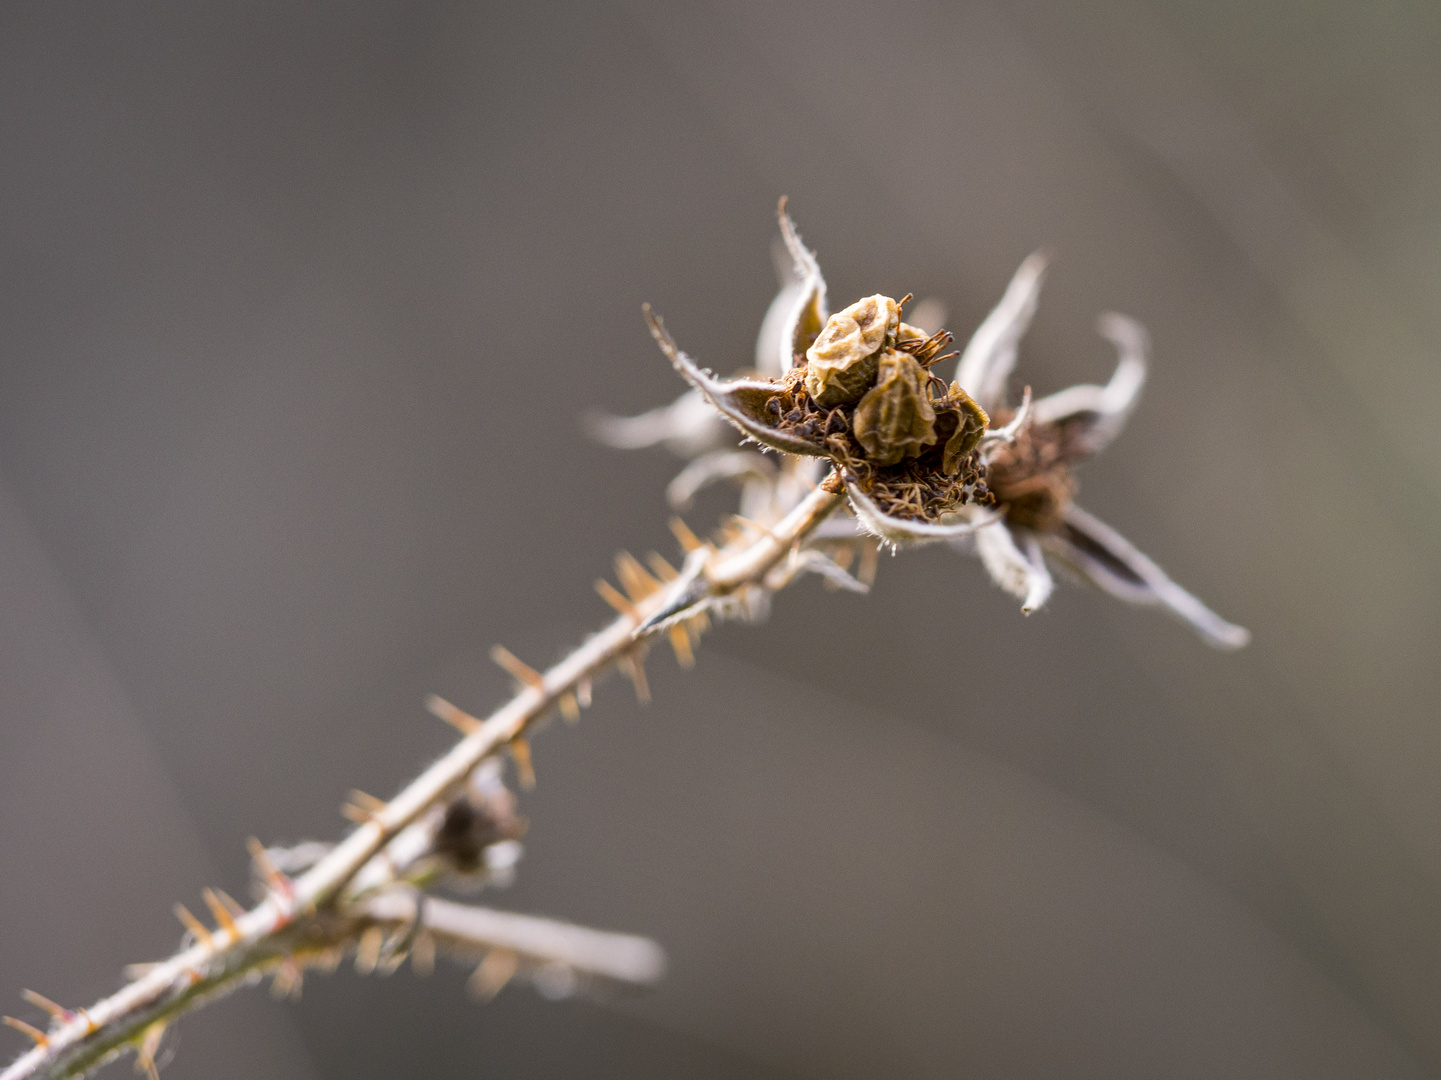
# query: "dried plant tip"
194,925
40,1001
842,363
497,969
367,952
895,419
224,917
41,1039
522,672
457,718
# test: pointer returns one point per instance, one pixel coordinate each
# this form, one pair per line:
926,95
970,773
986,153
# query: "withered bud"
842,363
967,436
895,419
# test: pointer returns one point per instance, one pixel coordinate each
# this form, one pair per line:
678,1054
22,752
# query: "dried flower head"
919,457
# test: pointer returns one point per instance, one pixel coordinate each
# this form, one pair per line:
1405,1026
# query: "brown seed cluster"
864,395
1031,478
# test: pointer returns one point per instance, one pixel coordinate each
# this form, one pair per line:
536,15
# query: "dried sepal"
842,364
895,419
896,530
808,314
1109,561
991,353
1019,568
741,401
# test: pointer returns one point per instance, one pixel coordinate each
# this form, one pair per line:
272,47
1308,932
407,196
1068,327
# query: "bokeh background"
302,305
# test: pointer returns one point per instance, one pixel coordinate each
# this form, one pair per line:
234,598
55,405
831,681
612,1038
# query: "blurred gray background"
301,307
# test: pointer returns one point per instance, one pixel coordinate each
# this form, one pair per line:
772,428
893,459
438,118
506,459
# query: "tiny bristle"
224,917
517,668
41,1039
680,642
40,1001
524,766
194,925
494,972
635,667
688,540
660,568
615,598
635,579
456,717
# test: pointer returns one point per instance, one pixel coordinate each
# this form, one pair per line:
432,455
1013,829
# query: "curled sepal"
1091,416
1019,568
897,531
1112,563
741,401
991,353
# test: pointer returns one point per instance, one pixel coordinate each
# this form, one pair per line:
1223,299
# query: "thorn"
615,598
524,767
274,879
194,925
756,525
497,969
287,982
422,954
635,668
569,708
40,1001
148,1048
41,1039
680,642
634,578
457,718
362,807
583,692
220,913
518,669
660,568
689,541
367,953
231,905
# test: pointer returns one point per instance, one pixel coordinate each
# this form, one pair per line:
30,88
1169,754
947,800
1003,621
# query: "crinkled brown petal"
895,419
967,435
841,364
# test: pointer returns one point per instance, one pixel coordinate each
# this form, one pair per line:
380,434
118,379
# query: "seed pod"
895,419
841,365
967,436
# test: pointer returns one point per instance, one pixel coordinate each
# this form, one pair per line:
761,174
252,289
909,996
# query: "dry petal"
967,435
895,419
841,365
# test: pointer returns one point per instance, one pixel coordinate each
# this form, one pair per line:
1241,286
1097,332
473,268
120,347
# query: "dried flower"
919,459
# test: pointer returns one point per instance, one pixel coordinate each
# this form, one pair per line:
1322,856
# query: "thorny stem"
302,916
